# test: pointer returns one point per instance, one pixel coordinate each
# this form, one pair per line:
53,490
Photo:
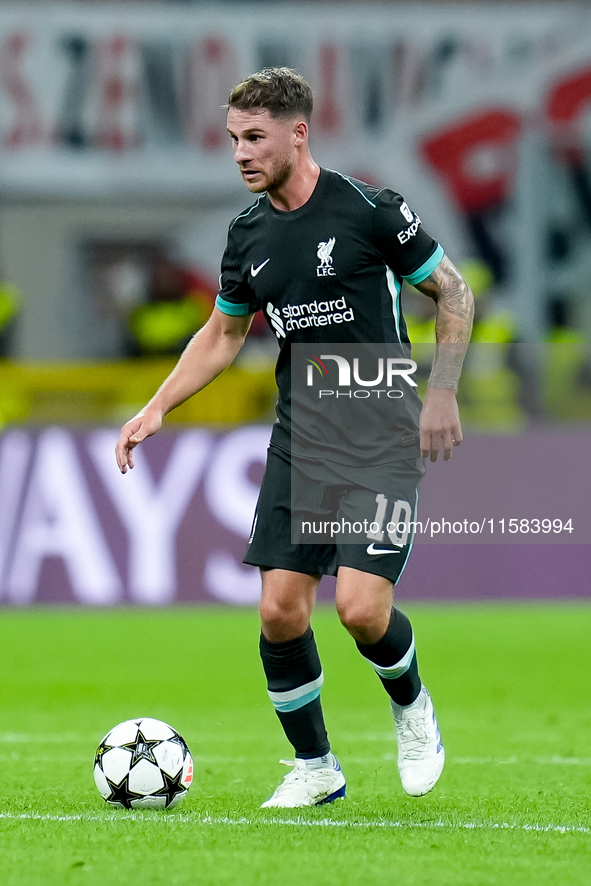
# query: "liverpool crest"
325,268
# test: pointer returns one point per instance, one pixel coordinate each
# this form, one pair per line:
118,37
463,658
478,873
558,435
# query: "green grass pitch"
511,687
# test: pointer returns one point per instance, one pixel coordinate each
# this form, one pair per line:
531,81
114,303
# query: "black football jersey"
328,272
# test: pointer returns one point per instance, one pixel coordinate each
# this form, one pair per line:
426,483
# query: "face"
264,148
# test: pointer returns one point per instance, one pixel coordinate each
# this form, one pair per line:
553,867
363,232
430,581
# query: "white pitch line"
427,825
301,822
57,758
555,760
69,738
26,738
42,758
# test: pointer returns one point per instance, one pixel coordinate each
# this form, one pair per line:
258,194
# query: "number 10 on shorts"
399,524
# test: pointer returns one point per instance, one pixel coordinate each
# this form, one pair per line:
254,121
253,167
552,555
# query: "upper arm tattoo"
455,303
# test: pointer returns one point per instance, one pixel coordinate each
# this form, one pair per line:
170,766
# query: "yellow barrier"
110,393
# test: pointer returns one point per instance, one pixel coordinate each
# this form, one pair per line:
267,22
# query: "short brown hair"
281,91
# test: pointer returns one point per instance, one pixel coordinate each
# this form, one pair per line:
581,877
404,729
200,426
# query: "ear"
300,131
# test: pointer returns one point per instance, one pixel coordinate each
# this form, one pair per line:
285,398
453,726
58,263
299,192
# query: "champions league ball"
143,764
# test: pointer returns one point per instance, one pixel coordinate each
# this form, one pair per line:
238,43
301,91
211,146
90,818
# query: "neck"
298,189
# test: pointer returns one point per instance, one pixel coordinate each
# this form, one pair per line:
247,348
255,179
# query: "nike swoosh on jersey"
371,550
254,271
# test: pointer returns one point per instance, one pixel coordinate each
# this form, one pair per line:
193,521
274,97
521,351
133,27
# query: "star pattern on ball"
172,787
178,740
118,765
141,749
120,793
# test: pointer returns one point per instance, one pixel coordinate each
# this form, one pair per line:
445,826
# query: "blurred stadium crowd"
117,184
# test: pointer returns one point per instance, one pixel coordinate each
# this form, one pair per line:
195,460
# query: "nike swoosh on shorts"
371,550
254,271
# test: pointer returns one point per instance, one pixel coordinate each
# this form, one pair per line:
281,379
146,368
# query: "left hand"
440,423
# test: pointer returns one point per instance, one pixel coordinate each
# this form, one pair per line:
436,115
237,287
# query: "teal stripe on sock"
399,669
296,703
294,699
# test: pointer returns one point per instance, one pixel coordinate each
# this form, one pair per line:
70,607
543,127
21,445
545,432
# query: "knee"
358,619
366,620
282,619
286,604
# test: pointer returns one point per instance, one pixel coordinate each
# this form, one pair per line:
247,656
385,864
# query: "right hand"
142,425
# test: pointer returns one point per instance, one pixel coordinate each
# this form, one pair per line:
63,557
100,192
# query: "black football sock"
294,678
394,659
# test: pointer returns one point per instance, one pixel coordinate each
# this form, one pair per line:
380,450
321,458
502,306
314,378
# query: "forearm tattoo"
453,322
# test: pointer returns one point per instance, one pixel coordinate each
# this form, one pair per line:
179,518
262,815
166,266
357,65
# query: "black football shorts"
313,517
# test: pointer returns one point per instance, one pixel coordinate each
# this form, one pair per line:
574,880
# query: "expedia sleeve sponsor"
399,235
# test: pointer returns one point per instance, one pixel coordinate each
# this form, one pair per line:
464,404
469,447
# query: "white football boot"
420,752
307,787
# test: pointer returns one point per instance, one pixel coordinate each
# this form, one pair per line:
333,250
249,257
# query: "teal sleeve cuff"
427,268
228,307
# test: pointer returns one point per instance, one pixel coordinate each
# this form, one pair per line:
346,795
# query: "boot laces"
413,737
